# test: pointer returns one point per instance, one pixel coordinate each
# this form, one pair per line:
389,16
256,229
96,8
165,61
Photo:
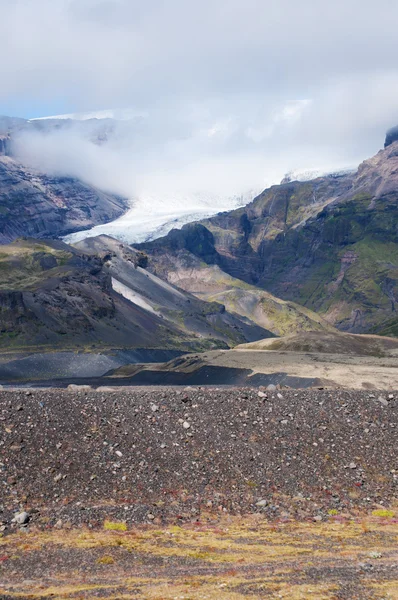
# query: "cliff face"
330,244
33,204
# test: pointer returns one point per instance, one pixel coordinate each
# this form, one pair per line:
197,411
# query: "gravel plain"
168,454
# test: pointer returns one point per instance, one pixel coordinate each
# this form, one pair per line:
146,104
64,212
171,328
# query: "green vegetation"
25,263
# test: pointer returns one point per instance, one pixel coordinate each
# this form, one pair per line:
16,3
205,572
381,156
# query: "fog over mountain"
222,99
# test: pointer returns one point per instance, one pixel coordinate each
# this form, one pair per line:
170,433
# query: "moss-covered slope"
330,245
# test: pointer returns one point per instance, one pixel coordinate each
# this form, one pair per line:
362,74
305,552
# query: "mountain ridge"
330,244
57,296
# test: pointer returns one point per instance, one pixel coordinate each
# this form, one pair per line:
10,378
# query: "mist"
223,97
216,149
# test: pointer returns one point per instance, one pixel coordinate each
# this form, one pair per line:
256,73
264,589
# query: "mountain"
55,296
122,114
171,173
330,245
183,311
66,147
210,283
34,204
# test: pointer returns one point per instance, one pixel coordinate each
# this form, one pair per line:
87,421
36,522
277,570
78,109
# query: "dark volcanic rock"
4,145
33,204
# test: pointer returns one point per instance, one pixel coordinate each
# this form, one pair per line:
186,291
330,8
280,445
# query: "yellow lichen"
115,526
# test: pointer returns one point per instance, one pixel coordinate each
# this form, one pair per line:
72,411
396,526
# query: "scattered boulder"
21,518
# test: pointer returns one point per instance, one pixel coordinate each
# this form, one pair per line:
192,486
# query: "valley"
211,413
310,258
198,300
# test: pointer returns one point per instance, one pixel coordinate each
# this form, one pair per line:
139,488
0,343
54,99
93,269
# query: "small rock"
262,503
73,387
186,425
352,465
21,518
280,396
318,518
382,401
262,395
375,555
118,453
58,477
151,517
154,407
271,387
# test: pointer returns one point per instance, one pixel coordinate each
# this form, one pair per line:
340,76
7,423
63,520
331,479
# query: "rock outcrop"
5,149
37,205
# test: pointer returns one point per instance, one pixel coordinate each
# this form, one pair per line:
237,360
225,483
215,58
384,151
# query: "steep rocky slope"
42,206
53,295
34,204
186,312
330,244
210,283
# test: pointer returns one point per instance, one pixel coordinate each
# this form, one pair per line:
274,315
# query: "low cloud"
207,150
231,94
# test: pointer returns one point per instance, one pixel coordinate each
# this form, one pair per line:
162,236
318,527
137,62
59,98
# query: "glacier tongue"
151,217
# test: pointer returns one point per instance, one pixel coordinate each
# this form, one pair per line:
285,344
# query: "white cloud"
232,93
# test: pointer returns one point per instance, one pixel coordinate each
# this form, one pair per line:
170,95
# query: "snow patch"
310,174
132,296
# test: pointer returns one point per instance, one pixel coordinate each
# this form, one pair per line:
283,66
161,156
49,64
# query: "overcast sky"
312,79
